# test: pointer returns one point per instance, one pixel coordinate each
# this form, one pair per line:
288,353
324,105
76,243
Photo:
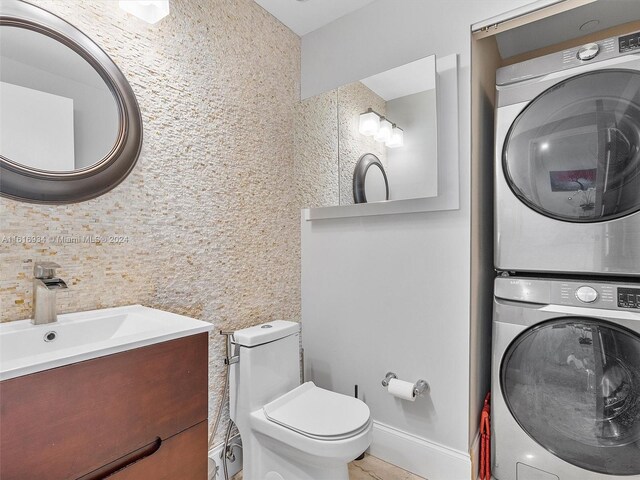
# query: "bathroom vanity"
137,409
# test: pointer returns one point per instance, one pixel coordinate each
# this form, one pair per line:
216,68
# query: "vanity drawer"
183,456
66,422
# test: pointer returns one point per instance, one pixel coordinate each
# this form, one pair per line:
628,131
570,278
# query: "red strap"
485,439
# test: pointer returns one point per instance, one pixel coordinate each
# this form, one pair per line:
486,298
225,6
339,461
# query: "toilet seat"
318,413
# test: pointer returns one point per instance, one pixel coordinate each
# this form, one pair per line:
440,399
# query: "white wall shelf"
412,205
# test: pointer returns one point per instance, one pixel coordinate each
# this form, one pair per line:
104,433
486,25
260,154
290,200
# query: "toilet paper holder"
419,388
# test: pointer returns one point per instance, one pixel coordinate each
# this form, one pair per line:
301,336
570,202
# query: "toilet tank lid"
265,333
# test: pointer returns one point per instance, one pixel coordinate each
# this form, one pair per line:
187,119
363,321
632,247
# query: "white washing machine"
568,161
565,380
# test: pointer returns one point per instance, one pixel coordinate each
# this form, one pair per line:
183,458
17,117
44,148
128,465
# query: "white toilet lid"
318,413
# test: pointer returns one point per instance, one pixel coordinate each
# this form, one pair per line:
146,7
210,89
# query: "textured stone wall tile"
210,215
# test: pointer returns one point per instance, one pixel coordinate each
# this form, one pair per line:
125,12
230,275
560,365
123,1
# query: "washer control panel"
629,298
596,295
630,42
577,293
576,56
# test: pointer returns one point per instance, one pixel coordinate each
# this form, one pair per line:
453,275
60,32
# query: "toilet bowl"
290,431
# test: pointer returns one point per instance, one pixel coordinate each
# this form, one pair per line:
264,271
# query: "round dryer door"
573,153
574,386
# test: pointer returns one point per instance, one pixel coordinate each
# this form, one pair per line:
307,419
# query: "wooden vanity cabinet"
139,414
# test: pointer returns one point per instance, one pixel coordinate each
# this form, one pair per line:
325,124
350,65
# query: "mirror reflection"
58,114
391,115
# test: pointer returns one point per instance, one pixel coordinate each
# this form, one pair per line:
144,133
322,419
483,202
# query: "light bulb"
384,132
369,123
151,11
397,138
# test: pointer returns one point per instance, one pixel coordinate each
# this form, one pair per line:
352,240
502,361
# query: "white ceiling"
406,80
308,15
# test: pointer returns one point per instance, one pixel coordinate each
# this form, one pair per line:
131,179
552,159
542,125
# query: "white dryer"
566,380
568,161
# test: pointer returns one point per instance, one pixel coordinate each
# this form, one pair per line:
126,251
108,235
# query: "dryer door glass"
574,386
574,152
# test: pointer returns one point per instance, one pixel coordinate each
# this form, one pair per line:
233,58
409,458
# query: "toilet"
290,431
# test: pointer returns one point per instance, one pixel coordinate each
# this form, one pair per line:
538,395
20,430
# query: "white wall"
392,292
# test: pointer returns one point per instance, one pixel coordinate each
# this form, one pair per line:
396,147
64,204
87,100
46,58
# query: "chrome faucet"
45,285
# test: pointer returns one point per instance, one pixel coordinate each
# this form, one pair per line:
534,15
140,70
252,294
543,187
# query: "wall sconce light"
369,123
384,132
151,11
397,138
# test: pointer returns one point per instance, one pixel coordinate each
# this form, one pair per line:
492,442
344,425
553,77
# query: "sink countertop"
82,336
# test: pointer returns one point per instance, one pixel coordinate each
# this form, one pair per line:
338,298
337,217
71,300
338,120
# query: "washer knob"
587,294
588,51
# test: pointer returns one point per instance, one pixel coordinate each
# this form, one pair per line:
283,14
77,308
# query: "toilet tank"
268,366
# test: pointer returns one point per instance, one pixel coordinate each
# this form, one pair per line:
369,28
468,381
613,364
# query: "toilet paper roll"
401,389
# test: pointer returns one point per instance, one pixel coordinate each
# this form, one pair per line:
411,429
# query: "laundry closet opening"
576,168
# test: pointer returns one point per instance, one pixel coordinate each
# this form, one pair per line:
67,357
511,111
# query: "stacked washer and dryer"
566,329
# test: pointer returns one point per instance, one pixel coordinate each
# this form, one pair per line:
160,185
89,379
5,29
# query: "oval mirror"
70,126
370,180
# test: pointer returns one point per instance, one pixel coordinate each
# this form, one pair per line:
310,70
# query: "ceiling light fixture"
151,11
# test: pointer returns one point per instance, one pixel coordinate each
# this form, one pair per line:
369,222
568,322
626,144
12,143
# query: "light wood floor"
371,468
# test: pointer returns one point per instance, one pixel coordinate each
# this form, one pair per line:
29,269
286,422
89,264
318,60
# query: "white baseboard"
475,456
232,467
419,456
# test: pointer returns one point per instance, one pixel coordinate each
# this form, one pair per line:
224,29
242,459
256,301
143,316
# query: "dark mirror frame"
37,186
365,162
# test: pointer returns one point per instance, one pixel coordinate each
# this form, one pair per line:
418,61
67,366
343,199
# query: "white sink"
85,335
